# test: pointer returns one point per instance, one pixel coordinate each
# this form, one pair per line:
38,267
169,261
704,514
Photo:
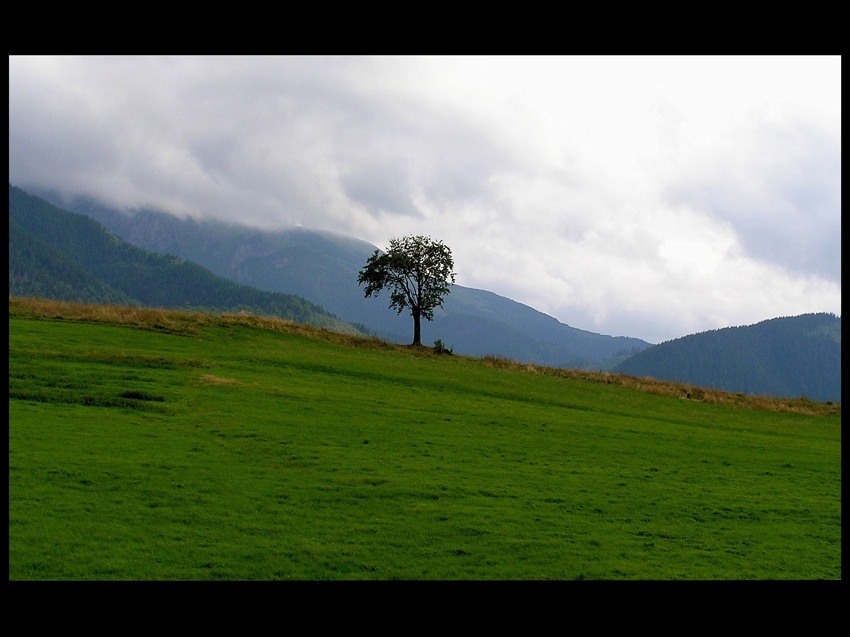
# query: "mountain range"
54,253
788,356
322,267
83,250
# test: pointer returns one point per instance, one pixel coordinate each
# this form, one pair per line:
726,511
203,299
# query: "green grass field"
218,450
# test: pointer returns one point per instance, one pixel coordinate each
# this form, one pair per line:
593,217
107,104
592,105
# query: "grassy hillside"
152,444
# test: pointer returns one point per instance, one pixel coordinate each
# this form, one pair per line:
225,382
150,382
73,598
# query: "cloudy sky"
640,196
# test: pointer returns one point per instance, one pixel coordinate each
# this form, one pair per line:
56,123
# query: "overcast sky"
634,196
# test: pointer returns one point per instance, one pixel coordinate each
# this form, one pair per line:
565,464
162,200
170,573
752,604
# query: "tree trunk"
417,331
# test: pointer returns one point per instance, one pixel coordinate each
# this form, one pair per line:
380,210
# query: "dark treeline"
58,254
786,357
40,270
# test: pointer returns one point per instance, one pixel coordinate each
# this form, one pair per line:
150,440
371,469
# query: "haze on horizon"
651,197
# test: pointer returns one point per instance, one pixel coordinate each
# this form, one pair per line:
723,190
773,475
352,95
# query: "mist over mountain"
54,253
785,357
322,267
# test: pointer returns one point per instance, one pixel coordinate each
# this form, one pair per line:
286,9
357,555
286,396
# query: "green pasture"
243,453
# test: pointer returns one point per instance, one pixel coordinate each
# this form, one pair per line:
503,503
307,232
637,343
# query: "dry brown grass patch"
683,391
215,380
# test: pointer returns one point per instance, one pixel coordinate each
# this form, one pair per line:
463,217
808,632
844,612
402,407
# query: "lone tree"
417,271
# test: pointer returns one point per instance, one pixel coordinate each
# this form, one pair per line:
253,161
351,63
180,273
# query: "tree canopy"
417,271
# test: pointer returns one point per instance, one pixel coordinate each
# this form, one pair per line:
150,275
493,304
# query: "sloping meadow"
251,450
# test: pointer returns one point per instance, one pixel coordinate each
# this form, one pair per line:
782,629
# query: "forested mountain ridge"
54,253
322,267
38,269
786,357
790,356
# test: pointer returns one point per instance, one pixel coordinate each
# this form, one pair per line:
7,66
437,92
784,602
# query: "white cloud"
648,197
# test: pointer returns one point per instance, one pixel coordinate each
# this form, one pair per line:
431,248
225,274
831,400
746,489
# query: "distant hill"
54,253
38,269
322,267
785,357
